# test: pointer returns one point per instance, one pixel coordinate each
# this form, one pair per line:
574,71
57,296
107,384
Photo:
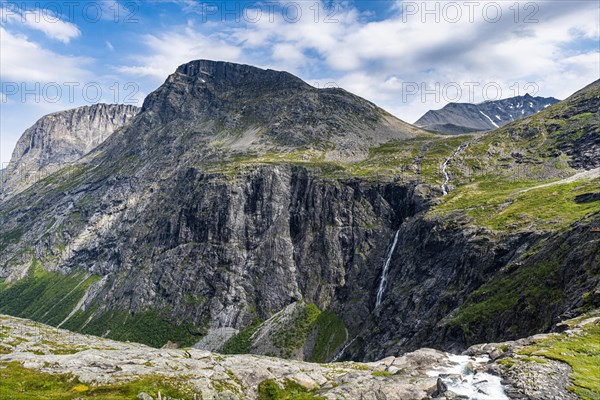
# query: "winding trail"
591,174
445,167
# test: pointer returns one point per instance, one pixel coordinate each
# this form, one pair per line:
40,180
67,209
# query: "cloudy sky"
406,56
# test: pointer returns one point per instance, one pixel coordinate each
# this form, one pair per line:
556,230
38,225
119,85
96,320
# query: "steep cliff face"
59,139
216,252
170,241
224,212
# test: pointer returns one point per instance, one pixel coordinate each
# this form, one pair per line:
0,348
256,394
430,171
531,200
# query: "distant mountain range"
459,118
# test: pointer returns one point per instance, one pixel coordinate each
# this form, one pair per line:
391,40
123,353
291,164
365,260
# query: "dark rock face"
59,139
436,269
459,118
261,242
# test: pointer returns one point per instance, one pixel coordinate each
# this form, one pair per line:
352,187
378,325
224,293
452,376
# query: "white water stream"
445,167
461,378
384,273
342,351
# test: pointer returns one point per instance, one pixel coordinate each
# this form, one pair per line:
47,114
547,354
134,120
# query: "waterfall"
445,166
341,352
386,266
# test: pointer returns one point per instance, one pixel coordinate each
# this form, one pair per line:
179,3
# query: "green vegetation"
532,286
330,336
396,159
385,374
49,297
506,206
148,327
10,237
44,296
293,335
581,351
328,330
241,343
270,390
18,383
508,362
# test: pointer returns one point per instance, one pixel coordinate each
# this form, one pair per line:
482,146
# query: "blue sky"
406,56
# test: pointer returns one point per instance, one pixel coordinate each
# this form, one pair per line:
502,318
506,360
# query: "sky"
406,56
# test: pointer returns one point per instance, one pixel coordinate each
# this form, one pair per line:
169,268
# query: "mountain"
459,118
58,139
246,107
234,214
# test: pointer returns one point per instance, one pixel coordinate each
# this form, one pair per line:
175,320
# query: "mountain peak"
60,138
277,108
458,118
232,73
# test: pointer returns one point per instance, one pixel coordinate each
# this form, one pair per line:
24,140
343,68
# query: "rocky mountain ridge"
59,139
459,118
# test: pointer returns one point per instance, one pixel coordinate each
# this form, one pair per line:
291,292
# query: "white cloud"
26,61
42,20
110,46
170,49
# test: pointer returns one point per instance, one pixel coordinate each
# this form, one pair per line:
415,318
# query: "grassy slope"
581,350
49,297
491,193
503,205
18,383
414,159
327,329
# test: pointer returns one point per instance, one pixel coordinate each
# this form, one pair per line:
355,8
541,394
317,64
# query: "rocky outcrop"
459,118
96,361
520,369
58,139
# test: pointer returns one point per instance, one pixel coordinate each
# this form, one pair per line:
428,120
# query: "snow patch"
493,123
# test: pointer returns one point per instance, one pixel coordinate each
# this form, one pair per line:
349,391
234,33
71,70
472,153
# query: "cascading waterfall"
445,167
341,352
388,259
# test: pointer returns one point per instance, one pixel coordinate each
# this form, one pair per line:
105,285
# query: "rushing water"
445,167
461,378
386,266
342,351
